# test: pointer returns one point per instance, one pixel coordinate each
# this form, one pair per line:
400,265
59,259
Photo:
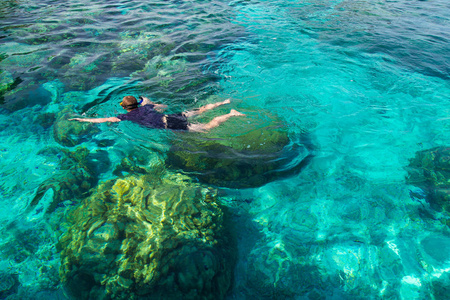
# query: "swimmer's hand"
76,119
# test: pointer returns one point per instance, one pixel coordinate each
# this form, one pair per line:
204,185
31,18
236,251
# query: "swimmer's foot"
234,112
226,101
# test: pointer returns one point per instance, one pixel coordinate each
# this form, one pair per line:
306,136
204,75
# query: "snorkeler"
151,115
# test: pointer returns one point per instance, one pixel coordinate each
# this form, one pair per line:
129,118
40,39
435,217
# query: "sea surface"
367,80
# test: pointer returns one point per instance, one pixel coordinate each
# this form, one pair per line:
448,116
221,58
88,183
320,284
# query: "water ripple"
166,42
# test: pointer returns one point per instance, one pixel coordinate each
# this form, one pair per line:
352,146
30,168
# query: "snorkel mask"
134,105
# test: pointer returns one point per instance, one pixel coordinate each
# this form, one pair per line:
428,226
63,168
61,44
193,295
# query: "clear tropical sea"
361,88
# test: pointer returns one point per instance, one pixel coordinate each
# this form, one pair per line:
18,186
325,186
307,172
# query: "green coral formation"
8,284
73,181
148,237
46,120
165,69
430,170
7,84
69,133
243,152
129,165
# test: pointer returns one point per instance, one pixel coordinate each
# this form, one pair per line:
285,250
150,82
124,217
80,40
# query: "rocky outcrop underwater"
69,133
244,152
430,171
148,237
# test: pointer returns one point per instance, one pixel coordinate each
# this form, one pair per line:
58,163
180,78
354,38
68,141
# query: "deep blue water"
367,80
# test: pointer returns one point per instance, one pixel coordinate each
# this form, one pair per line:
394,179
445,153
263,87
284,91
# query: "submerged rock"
71,133
7,83
77,175
46,120
440,286
430,170
274,271
8,284
135,238
243,152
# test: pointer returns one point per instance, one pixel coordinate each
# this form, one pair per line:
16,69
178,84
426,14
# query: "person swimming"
149,114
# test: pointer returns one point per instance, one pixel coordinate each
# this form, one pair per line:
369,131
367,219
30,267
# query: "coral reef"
7,84
243,152
278,270
138,160
70,133
8,284
32,260
430,170
148,237
46,120
77,175
131,164
441,287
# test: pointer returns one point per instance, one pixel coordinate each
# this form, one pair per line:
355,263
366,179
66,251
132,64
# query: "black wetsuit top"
147,116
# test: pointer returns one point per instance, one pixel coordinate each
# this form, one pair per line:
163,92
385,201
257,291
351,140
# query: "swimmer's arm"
96,120
158,107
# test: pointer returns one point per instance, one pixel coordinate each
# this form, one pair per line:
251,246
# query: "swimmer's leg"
214,122
205,108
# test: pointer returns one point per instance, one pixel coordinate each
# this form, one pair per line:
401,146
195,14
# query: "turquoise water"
367,80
